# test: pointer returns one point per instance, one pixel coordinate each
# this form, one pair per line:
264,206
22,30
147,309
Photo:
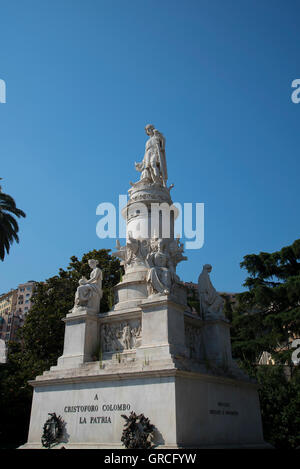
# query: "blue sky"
84,77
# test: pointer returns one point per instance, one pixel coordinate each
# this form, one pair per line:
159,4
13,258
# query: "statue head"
93,263
207,267
149,129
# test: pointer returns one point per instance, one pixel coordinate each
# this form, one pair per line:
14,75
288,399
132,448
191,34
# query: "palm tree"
8,225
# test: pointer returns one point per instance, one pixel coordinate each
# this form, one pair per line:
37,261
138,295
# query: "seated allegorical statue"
211,303
89,292
159,276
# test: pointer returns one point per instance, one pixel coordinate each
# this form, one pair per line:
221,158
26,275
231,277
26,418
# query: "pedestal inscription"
89,414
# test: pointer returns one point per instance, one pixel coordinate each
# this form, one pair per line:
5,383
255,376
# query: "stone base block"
81,339
189,410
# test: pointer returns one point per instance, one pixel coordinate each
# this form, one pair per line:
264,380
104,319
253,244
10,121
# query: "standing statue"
211,303
89,292
153,168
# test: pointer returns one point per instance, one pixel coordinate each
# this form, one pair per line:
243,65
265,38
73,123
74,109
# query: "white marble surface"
188,409
81,341
89,292
85,428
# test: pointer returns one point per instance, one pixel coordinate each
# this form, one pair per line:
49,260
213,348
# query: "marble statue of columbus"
211,303
153,168
89,292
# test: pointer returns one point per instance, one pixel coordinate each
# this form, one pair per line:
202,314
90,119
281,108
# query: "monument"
3,351
156,357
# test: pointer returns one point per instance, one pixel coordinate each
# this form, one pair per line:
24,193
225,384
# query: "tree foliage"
280,406
267,319
8,224
268,315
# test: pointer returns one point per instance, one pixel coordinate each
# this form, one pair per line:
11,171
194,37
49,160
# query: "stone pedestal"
157,370
81,341
188,409
216,341
132,290
148,212
163,329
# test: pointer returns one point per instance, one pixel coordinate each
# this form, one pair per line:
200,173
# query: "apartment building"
14,306
8,303
24,294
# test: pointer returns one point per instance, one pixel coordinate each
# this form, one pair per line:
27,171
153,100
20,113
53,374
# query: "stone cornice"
162,301
138,375
133,313
80,316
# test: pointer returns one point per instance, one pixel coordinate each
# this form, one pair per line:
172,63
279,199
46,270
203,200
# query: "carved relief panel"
120,336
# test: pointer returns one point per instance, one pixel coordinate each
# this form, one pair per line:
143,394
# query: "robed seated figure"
89,292
211,303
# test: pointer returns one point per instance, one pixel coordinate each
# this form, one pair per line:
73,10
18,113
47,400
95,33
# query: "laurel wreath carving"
52,430
137,432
